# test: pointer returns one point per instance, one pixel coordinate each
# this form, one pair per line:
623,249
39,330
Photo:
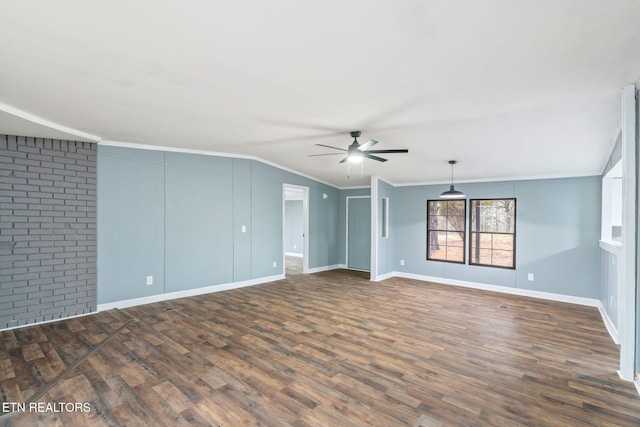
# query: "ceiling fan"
356,152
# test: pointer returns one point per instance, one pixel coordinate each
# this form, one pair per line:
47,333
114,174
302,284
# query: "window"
493,233
385,217
446,230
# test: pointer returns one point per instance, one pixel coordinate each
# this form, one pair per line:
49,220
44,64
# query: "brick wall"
47,229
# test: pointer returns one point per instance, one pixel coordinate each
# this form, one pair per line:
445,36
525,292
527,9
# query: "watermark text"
42,407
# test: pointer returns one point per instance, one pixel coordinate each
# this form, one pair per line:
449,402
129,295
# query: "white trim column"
629,242
374,229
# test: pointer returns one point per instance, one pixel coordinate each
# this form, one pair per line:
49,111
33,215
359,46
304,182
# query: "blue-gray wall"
130,223
557,225
178,217
293,226
198,221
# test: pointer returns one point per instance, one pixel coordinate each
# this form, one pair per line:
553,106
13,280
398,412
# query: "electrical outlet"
275,264
295,246
401,262
149,280
530,277
244,228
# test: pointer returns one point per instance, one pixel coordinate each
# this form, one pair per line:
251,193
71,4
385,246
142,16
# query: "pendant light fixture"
452,193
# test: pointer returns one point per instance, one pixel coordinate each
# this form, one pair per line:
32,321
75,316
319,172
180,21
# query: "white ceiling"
527,88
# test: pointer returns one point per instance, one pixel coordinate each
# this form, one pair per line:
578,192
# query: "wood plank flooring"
328,349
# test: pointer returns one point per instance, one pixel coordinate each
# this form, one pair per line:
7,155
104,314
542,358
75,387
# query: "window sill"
611,246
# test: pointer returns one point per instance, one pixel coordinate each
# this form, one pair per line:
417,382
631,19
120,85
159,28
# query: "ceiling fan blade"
369,156
327,154
328,146
370,143
401,150
343,160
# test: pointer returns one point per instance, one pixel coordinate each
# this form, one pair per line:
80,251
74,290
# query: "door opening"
358,249
295,223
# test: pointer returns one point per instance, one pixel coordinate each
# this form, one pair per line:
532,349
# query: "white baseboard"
295,254
636,382
608,323
385,276
325,268
590,302
188,293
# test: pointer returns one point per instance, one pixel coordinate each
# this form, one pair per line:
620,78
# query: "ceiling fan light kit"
452,193
355,157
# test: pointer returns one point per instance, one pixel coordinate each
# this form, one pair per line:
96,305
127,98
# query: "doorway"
359,233
295,223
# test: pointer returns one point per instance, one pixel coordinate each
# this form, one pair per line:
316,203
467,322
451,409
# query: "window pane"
439,208
503,241
455,207
438,222
455,239
437,245
502,258
485,239
455,254
456,222
485,257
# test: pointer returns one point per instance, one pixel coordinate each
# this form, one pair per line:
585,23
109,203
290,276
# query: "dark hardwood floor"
329,349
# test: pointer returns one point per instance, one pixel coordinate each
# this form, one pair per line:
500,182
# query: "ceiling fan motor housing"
354,146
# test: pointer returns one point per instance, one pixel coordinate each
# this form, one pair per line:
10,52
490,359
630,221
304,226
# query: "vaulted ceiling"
510,89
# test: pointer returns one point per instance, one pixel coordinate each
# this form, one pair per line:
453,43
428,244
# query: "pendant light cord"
452,174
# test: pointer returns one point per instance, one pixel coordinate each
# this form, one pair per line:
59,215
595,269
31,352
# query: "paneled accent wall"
47,229
173,222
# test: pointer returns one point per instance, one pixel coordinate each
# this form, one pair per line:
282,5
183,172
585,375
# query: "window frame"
385,218
514,234
463,231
